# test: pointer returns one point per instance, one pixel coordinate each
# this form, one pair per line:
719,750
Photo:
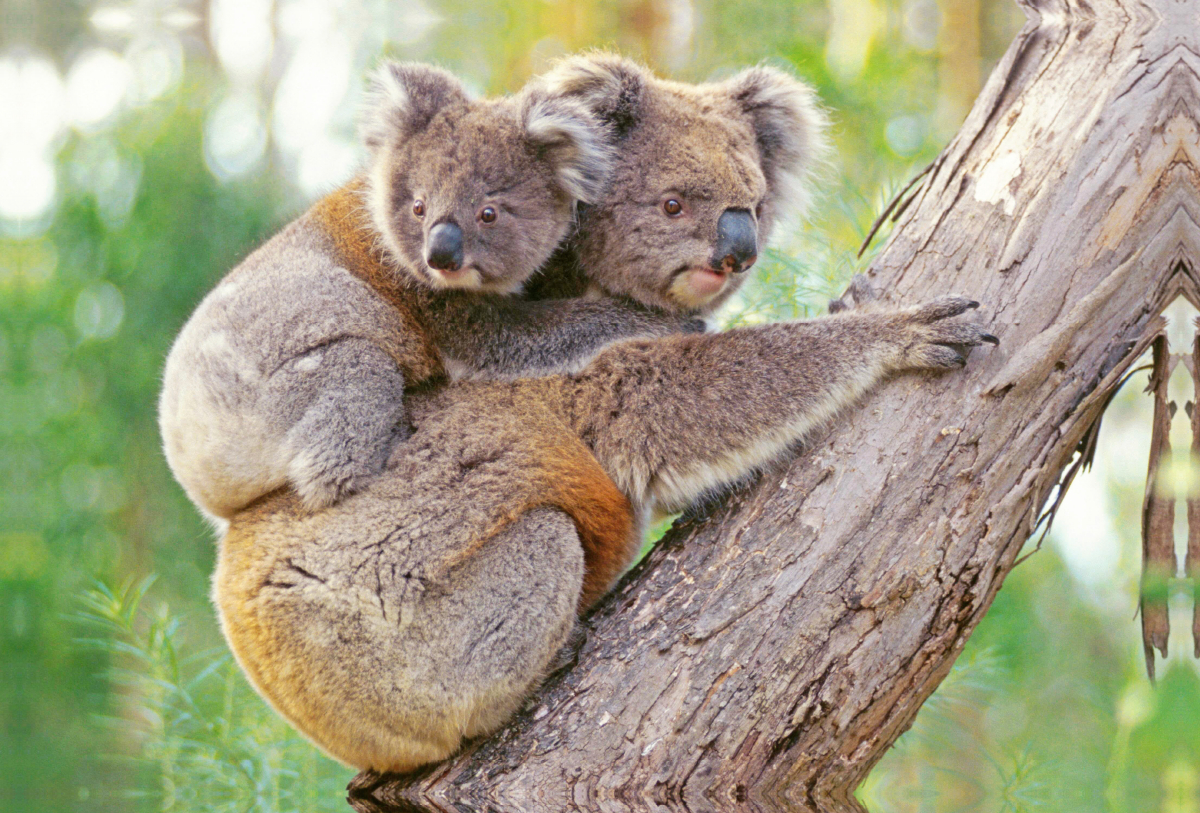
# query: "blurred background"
147,145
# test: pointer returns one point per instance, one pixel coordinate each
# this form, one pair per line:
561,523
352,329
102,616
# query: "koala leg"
333,618
511,610
352,417
674,418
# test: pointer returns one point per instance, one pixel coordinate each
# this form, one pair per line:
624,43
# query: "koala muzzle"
737,242
444,248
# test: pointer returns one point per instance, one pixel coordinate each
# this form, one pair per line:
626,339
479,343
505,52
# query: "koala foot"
323,477
859,294
931,343
568,654
321,485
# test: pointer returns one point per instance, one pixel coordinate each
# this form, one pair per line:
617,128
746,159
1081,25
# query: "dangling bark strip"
1192,562
1158,517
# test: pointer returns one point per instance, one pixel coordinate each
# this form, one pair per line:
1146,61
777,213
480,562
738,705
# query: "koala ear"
403,97
609,85
572,140
789,127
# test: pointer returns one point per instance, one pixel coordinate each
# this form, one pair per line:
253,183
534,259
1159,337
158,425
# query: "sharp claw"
972,304
989,338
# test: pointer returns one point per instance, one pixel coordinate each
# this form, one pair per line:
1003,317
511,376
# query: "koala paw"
932,343
859,294
321,483
324,477
568,655
669,324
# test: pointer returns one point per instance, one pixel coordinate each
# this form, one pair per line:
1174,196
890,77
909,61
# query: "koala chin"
293,371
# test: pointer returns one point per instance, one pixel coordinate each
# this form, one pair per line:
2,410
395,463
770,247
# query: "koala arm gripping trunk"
674,418
497,337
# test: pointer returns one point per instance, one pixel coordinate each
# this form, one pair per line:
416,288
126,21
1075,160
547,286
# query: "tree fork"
766,655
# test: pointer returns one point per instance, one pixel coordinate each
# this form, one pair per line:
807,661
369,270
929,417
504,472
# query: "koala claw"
939,342
943,308
860,292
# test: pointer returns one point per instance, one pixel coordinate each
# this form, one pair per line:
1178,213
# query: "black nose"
444,248
737,241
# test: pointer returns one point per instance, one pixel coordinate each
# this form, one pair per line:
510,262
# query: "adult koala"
424,609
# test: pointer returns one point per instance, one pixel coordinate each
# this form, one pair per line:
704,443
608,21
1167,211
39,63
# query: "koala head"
701,174
475,193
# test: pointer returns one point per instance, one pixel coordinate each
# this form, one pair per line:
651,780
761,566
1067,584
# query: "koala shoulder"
340,218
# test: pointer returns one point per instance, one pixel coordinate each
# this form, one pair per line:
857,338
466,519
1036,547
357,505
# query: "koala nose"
737,241
444,248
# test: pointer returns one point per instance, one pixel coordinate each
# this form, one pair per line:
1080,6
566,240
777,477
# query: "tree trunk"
765,656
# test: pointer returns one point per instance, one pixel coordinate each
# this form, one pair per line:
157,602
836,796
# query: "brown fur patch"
341,216
244,563
573,481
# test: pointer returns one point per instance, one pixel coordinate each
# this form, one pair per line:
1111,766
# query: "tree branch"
765,655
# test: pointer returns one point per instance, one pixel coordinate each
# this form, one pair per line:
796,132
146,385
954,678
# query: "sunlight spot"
99,311
242,38
313,87
325,164
31,94
96,85
27,184
235,137
113,19
853,27
905,134
1135,705
1084,532
157,64
922,20
413,22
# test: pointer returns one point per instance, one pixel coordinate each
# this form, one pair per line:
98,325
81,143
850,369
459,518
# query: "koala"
292,371
425,609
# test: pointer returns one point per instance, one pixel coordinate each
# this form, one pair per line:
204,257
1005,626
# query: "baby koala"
292,371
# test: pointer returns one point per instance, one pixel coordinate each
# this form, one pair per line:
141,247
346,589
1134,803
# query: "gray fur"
253,371
673,419
511,338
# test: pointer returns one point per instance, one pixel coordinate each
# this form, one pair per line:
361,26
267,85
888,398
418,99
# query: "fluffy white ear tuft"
789,127
401,99
609,85
572,140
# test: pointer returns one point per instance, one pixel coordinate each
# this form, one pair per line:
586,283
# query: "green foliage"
202,739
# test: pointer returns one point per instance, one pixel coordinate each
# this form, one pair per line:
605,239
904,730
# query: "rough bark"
767,654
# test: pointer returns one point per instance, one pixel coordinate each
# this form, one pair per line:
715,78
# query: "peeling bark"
767,653
1158,516
1192,562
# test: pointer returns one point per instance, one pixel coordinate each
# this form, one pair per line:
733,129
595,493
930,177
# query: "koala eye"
673,208
487,214
758,210
419,208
